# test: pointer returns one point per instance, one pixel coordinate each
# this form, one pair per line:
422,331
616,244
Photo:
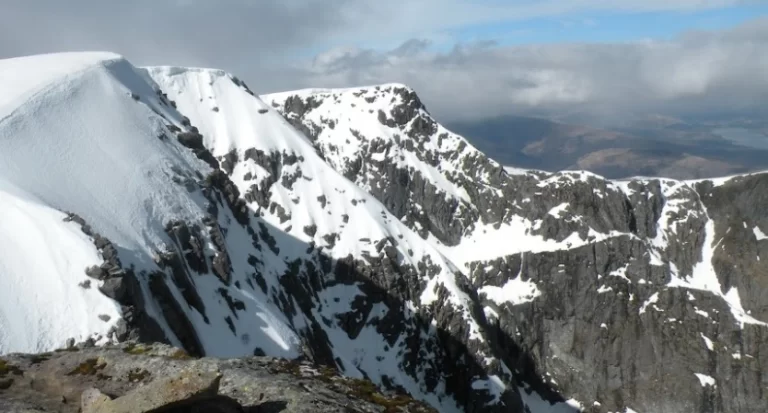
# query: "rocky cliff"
609,292
352,230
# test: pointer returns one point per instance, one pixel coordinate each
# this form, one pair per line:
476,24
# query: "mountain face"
348,228
651,146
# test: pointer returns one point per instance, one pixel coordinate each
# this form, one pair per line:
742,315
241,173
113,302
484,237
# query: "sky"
467,59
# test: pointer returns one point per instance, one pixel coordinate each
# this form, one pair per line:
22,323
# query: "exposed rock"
310,230
93,401
174,314
228,162
115,289
96,272
176,383
182,390
191,140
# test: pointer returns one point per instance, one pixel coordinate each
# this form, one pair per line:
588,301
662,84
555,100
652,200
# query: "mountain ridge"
324,224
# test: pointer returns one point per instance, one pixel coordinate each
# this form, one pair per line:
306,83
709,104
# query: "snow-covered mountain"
349,227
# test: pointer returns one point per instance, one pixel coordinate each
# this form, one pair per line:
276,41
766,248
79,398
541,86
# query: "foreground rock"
158,378
183,390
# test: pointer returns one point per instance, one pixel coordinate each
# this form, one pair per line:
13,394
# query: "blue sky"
608,27
387,24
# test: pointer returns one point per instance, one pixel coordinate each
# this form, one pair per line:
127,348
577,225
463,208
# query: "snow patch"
705,278
760,235
604,289
653,299
701,312
536,404
705,380
515,291
558,210
493,384
621,273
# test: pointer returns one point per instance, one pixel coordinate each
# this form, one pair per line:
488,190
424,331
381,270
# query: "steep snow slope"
25,76
294,189
72,157
42,264
78,141
59,154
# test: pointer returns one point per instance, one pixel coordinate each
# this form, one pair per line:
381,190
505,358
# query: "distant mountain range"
652,145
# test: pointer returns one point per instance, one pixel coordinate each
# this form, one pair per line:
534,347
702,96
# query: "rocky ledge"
140,378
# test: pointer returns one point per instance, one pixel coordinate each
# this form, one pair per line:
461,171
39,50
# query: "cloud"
394,21
253,37
695,72
271,44
209,31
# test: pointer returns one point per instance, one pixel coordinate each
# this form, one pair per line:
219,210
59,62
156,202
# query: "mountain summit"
350,229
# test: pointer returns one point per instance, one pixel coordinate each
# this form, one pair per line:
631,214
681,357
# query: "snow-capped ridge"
75,138
84,154
41,71
227,114
385,124
98,141
180,70
360,90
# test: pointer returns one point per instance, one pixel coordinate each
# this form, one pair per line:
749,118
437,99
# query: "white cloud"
204,29
265,42
696,71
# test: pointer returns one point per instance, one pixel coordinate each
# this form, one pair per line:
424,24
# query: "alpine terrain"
352,231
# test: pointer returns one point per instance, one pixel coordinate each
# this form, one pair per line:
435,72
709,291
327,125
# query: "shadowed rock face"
640,319
614,325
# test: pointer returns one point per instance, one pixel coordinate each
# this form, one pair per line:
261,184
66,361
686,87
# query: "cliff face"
641,294
349,228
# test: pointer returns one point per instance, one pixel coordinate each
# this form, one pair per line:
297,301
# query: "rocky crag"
138,378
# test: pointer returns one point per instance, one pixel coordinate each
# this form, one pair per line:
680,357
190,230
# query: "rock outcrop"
154,378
